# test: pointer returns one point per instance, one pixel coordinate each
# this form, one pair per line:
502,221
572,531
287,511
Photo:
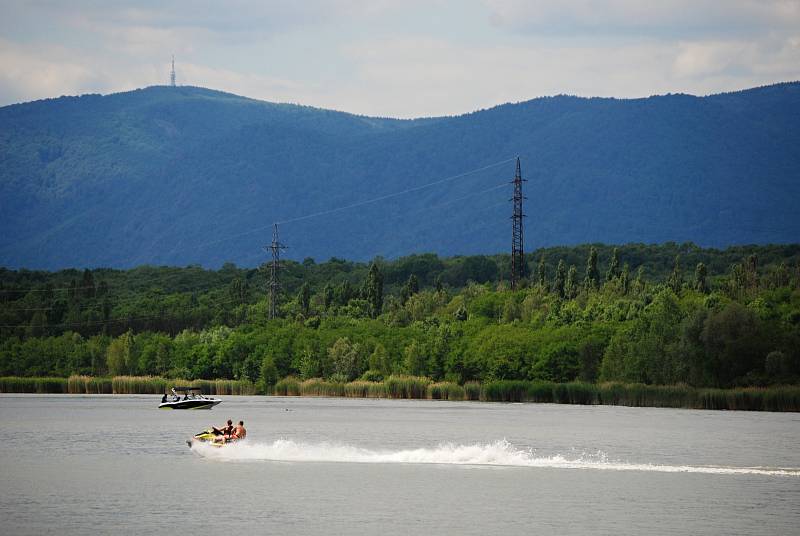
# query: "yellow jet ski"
212,437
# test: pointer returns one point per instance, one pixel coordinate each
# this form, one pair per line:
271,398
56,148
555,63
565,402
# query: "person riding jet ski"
219,437
226,431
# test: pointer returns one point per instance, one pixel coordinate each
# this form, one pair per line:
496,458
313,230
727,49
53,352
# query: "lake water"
103,464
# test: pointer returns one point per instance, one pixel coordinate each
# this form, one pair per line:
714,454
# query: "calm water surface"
103,464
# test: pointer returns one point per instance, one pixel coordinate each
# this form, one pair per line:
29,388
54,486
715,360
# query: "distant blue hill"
187,175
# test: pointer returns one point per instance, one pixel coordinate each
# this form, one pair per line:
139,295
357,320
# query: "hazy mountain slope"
188,175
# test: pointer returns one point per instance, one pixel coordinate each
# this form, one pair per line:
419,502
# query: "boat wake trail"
499,453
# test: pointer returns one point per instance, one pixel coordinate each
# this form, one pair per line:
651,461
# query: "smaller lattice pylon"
517,236
274,284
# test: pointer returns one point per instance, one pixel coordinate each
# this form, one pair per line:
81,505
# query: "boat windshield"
190,392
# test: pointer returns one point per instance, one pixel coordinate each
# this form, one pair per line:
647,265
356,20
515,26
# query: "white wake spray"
499,453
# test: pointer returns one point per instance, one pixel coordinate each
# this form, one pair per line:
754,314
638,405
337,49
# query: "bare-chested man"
239,432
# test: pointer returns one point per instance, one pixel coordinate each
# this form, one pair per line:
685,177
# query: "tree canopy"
450,319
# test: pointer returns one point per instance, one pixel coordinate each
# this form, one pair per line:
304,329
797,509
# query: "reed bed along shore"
780,398
121,385
392,387
776,398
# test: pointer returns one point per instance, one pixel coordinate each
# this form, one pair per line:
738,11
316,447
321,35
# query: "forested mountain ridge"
188,175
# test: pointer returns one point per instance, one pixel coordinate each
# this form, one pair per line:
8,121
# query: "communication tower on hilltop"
172,73
517,253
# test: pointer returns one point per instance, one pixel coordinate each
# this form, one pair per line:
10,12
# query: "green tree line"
652,314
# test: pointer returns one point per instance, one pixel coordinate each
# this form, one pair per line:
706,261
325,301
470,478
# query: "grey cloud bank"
403,59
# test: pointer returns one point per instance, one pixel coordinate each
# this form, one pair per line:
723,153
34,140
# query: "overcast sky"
403,58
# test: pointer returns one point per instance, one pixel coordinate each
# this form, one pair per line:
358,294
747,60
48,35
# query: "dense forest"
180,175
666,314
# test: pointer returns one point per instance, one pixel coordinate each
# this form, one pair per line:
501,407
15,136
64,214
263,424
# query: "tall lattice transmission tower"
517,240
274,285
172,73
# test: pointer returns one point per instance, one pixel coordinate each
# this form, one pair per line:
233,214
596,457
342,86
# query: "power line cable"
126,289
117,319
456,200
44,289
346,207
130,297
396,194
466,230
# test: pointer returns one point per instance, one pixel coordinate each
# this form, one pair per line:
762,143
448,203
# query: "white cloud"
762,61
246,84
363,57
431,77
47,72
231,20
664,18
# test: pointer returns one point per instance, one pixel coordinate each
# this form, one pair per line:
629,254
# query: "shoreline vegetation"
672,325
774,398
120,385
